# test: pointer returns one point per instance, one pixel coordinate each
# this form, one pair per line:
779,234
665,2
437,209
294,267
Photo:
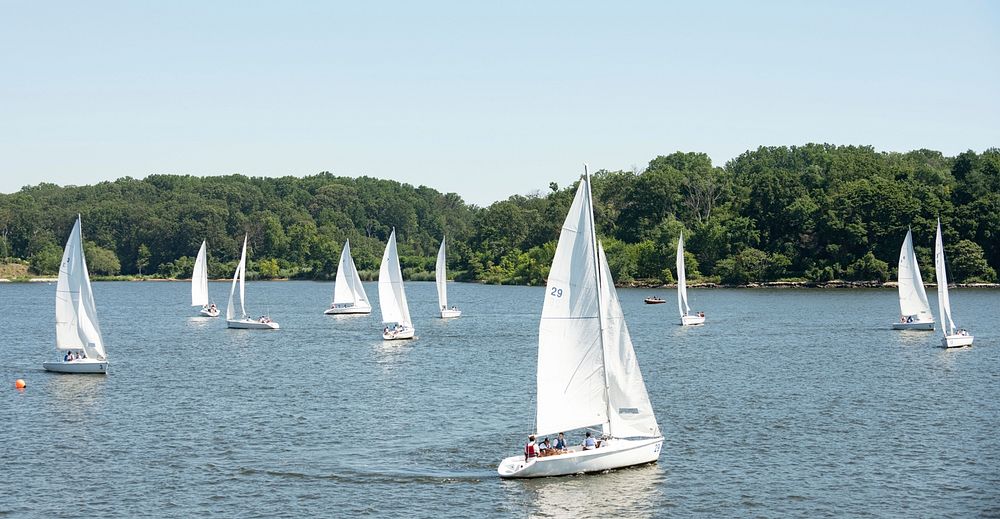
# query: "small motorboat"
654,300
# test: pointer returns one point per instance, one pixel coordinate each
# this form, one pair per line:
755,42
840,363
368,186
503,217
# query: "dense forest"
815,212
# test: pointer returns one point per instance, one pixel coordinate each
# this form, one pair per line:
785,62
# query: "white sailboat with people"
199,285
244,321
348,293
78,334
588,375
953,337
914,309
687,319
441,278
392,297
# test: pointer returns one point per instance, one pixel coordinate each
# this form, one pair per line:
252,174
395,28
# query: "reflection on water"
631,492
77,395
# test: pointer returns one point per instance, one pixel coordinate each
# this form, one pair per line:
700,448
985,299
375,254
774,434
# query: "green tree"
142,259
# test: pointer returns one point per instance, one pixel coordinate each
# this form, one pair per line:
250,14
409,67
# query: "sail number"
557,292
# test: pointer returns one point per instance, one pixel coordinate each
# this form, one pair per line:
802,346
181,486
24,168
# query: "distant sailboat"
244,321
77,331
348,293
588,374
199,285
392,297
914,310
952,338
441,278
682,294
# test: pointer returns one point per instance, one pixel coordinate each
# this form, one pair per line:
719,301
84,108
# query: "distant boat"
348,293
77,331
682,294
199,285
441,278
952,338
588,375
654,300
244,321
914,310
392,297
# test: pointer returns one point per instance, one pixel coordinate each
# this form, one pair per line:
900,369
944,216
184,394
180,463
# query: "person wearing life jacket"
530,450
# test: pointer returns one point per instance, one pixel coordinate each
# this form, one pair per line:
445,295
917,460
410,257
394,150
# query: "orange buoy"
19,383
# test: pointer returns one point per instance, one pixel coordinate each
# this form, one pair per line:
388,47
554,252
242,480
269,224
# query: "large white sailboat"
682,293
441,278
953,338
392,297
199,285
244,321
914,309
348,293
588,375
78,334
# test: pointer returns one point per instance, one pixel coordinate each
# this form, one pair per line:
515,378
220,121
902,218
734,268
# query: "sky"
484,99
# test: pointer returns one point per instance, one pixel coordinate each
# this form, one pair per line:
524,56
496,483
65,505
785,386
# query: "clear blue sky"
485,99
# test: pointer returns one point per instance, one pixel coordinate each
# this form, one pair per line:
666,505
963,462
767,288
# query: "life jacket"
531,450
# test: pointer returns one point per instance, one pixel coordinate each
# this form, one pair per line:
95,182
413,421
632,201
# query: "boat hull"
98,367
924,325
208,312
393,336
450,314
348,310
619,453
956,341
248,324
650,301
692,320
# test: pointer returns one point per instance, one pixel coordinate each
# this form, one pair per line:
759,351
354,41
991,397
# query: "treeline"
813,212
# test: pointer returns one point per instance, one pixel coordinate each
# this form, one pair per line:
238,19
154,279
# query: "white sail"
441,277
912,296
682,293
941,277
199,278
76,314
587,371
348,287
238,277
392,297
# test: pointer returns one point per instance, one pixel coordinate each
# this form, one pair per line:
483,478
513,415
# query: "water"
788,403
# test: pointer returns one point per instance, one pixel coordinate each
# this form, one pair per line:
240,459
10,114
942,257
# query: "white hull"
78,366
250,324
692,320
915,325
347,310
616,454
209,312
956,341
449,314
402,334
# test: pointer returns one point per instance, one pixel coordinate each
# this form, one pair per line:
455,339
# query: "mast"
600,307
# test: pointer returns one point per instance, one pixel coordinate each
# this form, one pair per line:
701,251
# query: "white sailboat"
914,309
953,338
441,278
77,331
392,297
244,321
348,293
682,293
199,285
588,374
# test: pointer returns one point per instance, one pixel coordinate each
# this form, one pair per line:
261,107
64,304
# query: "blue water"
787,403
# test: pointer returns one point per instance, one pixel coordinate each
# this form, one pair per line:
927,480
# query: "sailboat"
914,310
77,331
392,297
348,293
199,285
441,277
682,293
588,375
952,338
244,321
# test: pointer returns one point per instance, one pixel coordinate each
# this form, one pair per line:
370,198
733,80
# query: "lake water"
787,403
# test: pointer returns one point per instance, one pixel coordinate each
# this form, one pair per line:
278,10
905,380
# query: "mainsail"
76,314
199,278
348,287
941,277
441,277
912,296
238,277
682,293
392,298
